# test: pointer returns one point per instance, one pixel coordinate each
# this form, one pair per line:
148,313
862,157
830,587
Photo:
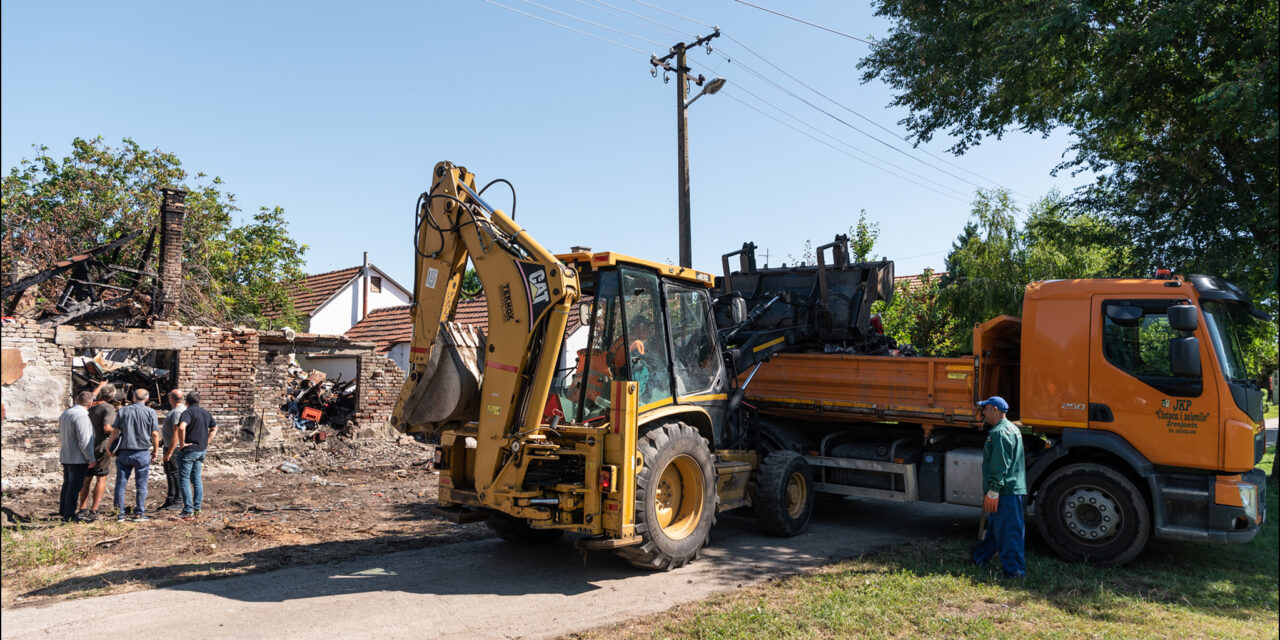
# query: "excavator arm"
529,294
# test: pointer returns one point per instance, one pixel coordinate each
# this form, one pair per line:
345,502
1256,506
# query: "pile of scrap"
127,369
312,400
96,288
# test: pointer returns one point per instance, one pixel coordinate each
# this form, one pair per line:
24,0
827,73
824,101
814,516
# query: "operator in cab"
1004,481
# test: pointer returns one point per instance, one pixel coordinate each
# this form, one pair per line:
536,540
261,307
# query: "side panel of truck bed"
839,387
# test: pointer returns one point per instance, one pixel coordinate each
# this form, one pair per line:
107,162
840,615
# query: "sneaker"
171,507
122,518
141,517
89,516
187,516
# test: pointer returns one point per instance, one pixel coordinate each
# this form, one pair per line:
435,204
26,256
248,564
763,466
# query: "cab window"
597,364
646,336
1136,337
694,355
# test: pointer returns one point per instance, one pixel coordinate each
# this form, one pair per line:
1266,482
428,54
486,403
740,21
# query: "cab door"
1134,391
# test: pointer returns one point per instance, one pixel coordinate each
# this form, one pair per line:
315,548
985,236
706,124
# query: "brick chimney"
173,213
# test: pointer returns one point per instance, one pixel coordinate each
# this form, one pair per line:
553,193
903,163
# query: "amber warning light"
1164,274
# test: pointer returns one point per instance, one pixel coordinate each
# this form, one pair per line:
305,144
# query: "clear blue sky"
338,111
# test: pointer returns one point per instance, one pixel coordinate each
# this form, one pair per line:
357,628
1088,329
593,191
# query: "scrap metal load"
824,307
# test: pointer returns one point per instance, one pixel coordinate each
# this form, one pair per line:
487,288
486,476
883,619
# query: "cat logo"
538,286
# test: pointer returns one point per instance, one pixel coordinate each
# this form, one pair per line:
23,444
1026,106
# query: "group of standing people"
94,430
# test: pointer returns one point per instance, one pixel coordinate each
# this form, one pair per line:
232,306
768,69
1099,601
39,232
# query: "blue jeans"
1006,533
127,461
190,464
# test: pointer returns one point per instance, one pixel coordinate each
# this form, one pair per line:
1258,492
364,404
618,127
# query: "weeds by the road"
929,589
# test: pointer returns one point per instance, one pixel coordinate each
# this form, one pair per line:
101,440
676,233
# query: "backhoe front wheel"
675,497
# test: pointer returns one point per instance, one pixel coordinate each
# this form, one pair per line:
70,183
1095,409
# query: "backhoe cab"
611,438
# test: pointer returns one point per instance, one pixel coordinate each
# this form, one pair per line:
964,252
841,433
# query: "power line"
869,120
846,123
847,144
568,28
630,13
596,24
837,149
654,6
779,13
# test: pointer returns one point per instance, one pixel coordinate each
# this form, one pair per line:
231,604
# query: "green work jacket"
1004,468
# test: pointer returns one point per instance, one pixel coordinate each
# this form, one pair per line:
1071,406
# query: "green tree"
1172,104
55,208
862,238
917,316
994,258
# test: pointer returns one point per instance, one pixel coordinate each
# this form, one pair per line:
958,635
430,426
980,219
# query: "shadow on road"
490,566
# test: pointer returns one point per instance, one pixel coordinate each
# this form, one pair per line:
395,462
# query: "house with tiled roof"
391,328
908,282
335,301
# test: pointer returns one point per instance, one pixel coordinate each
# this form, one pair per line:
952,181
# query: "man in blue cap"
1004,479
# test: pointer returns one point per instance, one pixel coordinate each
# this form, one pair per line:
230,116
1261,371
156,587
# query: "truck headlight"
1249,499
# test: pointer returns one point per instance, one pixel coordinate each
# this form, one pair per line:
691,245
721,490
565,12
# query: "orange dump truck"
1138,418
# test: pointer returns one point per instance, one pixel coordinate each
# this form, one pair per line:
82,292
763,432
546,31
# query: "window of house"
375,284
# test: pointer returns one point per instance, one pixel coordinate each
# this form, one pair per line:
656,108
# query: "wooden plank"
71,337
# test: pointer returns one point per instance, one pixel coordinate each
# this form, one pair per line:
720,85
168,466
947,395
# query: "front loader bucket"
448,389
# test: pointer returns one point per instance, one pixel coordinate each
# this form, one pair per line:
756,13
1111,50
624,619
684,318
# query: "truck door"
1134,392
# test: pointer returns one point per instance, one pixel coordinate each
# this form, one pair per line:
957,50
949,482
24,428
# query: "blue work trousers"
128,461
190,464
1006,535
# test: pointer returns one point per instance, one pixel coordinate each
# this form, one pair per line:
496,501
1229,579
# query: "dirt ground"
349,499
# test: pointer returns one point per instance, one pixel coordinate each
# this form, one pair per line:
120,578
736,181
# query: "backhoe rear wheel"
784,493
517,531
675,497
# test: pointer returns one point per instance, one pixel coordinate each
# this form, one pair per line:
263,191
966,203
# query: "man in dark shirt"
102,415
194,433
138,435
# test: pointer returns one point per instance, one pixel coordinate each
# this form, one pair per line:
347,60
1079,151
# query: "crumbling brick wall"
222,368
43,392
380,381
273,378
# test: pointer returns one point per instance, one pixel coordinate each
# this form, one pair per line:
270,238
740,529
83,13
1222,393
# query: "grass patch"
928,588
1270,410
39,554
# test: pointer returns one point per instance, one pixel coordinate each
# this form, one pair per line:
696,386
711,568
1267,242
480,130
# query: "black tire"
517,531
676,498
784,494
1094,514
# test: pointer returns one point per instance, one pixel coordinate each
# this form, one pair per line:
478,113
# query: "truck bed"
858,388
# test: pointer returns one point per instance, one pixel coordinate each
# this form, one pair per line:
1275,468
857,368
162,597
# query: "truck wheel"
1092,513
784,493
675,498
517,531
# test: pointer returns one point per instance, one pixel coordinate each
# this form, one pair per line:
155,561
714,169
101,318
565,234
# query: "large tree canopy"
1172,104
54,209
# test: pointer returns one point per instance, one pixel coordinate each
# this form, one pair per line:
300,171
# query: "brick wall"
380,381
222,367
273,377
43,391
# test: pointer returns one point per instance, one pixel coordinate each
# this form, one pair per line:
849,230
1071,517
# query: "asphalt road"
483,589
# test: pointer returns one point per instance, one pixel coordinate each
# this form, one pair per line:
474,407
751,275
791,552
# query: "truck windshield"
1227,325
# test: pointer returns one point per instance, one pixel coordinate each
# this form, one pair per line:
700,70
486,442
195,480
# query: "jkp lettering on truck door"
1179,418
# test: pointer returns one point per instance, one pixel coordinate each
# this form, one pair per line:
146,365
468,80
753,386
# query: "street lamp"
711,89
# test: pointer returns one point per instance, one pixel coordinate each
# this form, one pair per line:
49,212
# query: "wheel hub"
677,498
797,495
1091,514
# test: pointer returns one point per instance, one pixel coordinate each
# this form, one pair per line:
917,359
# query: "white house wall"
344,369
399,354
343,310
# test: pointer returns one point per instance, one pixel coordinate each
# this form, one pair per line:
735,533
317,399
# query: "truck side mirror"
1124,315
584,314
1184,357
738,310
1184,317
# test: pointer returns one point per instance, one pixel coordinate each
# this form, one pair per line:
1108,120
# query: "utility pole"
682,129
